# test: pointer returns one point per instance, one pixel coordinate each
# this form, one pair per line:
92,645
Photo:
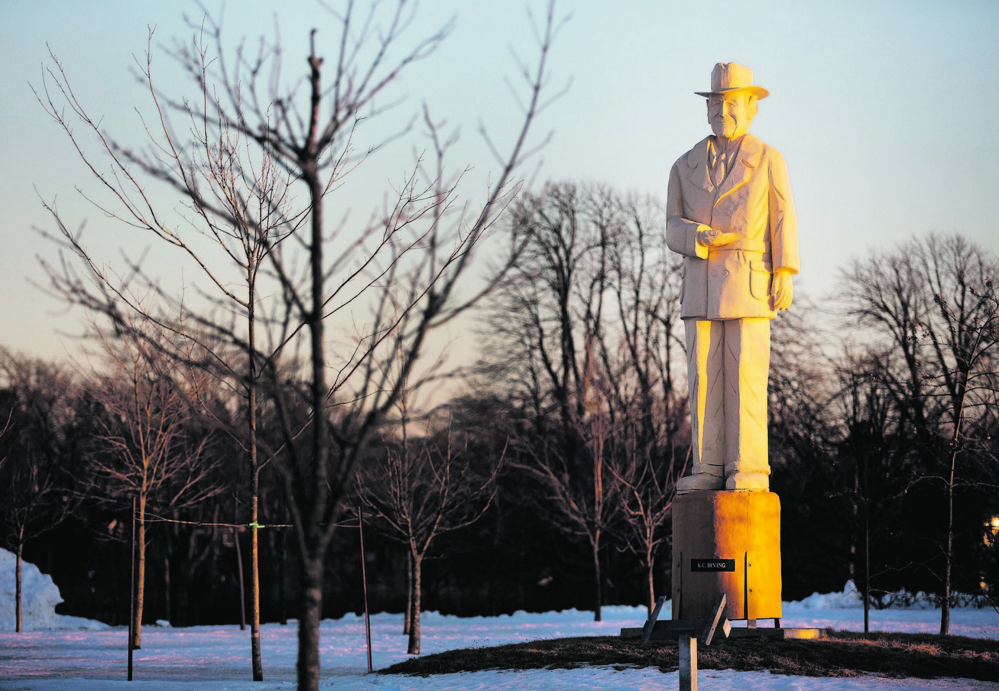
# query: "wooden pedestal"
726,542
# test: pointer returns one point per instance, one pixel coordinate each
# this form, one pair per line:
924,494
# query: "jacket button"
725,273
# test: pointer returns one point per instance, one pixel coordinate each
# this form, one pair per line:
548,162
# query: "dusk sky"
887,111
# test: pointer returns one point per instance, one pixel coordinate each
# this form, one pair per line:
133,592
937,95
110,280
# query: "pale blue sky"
887,111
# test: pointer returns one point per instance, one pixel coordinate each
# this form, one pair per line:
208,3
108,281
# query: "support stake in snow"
131,594
239,565
364,580
688,644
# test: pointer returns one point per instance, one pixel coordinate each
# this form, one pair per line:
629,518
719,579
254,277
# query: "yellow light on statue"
991,530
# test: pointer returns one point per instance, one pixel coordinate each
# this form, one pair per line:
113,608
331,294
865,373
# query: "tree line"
548,481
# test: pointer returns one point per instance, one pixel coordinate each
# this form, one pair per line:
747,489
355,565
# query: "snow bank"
851,598
39,597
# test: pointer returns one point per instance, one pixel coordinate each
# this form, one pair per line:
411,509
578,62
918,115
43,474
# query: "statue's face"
730,114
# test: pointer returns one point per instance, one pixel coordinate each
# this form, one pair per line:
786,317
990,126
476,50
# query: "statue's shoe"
748,482
699,481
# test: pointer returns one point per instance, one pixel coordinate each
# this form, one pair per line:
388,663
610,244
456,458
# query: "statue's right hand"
716,238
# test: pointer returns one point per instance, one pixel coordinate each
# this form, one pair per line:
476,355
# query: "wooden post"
364,580
239,564
688,663
131,594
709,632
651,623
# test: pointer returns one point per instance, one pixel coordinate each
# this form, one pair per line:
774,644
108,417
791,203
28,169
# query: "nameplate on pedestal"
712,565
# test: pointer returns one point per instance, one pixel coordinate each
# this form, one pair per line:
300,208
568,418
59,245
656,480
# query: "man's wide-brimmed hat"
730,77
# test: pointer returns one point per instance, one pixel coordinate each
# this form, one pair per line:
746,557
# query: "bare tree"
970,338
933,300
645,502
875,458
404,265
649,413
575,497
237,200
548,318
585,329
36,408
145,450
421,489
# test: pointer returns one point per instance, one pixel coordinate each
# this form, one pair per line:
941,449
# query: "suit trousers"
728,363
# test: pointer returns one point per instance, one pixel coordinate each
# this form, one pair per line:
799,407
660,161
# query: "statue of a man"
729,213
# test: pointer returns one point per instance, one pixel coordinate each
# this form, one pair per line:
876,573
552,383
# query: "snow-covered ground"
68,654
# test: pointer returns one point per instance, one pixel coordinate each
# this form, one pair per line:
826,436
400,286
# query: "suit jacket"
754,201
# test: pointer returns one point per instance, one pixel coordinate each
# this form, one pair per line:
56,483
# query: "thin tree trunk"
19,621
598,504
408,620
651,602
854,511
414,626
257,659
599,578
251,410
140,581
308,624
168,605
313,515
867,570
949,554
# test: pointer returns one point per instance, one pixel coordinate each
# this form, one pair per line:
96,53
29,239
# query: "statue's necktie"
719,167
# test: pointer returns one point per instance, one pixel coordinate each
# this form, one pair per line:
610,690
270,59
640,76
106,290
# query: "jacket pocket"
759,280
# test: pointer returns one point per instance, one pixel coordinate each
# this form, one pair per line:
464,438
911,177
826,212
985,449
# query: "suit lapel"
747,161
697,167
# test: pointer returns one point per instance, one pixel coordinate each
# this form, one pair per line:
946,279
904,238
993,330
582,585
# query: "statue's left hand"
782,291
